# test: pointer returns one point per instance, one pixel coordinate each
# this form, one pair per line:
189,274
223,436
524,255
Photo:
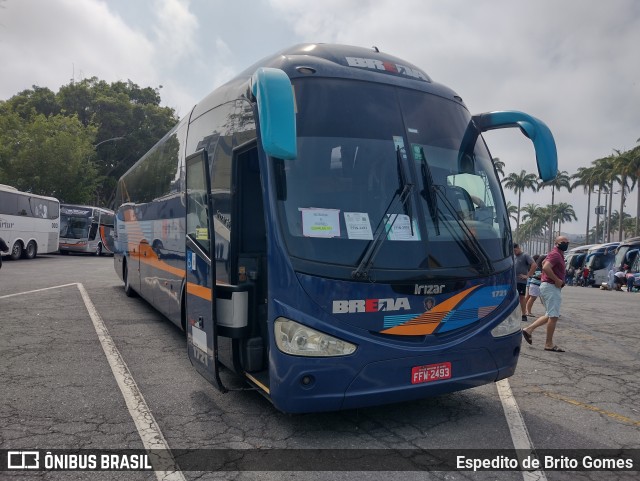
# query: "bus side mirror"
276,112
534,129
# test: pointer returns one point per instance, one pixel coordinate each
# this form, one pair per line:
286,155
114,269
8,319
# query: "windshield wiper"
473,244
400,196
429,192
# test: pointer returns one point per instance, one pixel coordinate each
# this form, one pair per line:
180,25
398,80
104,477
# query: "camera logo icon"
23,460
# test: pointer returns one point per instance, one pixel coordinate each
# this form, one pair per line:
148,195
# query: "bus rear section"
85,229
341,238
29,223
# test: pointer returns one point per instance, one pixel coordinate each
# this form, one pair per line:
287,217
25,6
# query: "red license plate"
431,372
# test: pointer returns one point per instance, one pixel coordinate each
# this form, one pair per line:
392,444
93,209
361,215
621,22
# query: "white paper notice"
358,225
320,222
401,228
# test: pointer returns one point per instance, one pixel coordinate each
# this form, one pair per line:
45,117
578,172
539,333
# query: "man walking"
525,268
553,274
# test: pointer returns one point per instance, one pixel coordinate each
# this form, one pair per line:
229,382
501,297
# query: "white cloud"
175,30
572,64
49,43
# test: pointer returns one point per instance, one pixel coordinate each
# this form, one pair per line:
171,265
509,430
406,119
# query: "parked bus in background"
599,261
86,229
627,252
333,231
29,223
575,258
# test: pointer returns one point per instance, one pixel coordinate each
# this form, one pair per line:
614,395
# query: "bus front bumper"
333,386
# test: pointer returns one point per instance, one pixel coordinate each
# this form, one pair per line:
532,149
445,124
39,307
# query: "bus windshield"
74,226
359,146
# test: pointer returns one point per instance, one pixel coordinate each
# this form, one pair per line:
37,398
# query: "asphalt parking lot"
64,319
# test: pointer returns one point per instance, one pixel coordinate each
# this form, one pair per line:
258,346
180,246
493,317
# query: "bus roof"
631,241
330,60
604,247
82,206
8,188
581,249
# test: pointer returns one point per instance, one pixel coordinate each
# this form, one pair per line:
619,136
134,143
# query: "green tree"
55,158
129,121
499,165
586,177
11,126
628,166
519,183
124,121
605,168
512,211
562,180
38,100
563,212
535,221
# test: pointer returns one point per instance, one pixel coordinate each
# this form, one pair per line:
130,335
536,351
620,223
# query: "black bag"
3,245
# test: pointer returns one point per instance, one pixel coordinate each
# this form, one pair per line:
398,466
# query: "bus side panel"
150,224
27,218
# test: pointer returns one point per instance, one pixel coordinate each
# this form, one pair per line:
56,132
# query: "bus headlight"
298,340
510,325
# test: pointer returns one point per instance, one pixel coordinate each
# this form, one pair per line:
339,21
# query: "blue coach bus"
329,226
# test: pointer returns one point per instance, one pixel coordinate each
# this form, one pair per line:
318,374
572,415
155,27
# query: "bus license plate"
431,372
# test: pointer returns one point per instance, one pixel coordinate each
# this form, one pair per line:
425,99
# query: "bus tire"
31,250
99,250
16,251
128,290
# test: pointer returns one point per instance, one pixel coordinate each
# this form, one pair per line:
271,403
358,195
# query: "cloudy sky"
574,64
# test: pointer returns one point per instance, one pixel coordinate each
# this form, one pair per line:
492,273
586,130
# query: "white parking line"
148,429
518,429
37,290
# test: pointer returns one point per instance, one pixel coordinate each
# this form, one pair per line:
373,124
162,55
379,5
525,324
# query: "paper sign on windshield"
320,222
358,225
400,230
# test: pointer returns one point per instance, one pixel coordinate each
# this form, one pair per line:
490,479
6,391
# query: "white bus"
29,223
86,229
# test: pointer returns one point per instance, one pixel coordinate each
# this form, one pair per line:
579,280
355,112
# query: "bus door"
201,326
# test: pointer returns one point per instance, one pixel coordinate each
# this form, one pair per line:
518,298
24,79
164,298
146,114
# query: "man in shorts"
553,274
525,267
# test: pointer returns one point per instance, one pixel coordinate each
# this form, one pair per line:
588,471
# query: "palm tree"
562,180
607,174
628,165
585,177
618,220
535,220
499,165
512,211
600,181
519,183
619,165
629,225
564,212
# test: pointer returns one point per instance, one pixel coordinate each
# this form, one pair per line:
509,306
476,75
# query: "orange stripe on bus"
199,291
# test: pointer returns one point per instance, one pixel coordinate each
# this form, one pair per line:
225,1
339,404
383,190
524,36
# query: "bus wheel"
16,252
31,250
99,250
128,290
